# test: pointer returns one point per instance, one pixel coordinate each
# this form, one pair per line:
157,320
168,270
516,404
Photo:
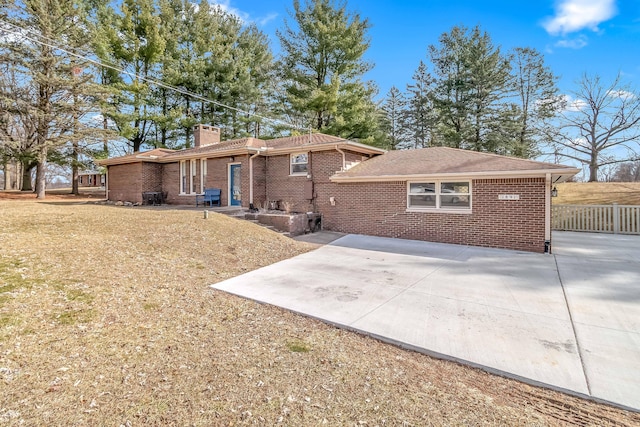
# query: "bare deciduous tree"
627,172
601,125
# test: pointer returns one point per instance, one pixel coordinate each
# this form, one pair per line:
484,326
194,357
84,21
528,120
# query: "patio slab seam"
573,328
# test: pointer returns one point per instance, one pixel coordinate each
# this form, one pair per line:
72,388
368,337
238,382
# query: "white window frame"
203,174
438,187
192,176
183,176
291,163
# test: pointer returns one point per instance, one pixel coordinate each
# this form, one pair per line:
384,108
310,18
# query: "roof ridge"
486,154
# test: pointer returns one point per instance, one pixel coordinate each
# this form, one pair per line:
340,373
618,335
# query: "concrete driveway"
570,321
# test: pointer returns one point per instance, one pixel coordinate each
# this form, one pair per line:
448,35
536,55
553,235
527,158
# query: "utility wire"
20,32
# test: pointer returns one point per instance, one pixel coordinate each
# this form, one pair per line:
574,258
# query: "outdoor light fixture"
554,192
231,158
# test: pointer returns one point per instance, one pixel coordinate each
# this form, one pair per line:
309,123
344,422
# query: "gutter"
361,148
344,158
478,175
547,213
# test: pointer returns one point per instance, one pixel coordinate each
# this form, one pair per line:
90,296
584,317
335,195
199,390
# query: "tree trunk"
74,173
5,175
76,152
26,177
593,169
41,184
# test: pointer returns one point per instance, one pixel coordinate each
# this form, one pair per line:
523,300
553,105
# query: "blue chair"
211,196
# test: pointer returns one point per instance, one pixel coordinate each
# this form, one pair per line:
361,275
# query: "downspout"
547,214
344,158
251,179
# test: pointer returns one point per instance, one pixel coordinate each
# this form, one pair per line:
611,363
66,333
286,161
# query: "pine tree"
131,40
537,100
420,117
322,67
392,119
471,89
54,93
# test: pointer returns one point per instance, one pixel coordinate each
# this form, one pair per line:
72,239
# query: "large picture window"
299,164
453,195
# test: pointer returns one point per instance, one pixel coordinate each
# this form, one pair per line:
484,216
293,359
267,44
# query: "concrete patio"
570,321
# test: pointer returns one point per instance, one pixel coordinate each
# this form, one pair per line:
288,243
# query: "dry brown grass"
598,193
106,318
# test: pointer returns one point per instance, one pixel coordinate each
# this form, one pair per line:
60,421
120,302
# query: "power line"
20,32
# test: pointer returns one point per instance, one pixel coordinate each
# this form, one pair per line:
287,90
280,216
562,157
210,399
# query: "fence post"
616,219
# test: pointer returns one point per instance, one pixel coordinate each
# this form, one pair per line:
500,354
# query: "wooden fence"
617,219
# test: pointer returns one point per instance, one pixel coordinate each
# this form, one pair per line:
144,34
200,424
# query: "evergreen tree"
322,66
131,40
392,119
537,100
420,116
471,89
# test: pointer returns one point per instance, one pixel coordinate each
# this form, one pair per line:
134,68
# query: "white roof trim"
478,175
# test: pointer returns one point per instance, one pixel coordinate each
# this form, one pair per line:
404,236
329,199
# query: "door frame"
229,189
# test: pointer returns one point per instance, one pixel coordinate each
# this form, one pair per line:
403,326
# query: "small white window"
183,177
299,164
203,174
192,181
448,195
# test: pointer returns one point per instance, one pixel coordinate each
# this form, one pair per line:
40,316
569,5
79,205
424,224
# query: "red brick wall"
283,187
171,185
379,209
217,177
128,182
260,181
125,182
151,177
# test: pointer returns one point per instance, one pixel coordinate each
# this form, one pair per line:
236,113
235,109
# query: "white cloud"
226,6
622,94
576,15
575,43
573,105
266,19
244,16
580,141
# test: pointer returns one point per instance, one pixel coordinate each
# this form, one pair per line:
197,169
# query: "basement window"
454,196
299,164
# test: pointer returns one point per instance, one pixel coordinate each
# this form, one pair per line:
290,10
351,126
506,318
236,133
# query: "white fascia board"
468,175
326,146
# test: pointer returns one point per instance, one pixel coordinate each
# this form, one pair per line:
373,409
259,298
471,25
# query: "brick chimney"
204,135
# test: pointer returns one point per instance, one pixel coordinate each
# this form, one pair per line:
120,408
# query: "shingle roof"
443,161
317,141
301,140
222,146
140,156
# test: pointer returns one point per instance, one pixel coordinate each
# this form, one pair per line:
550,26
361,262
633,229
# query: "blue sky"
576,36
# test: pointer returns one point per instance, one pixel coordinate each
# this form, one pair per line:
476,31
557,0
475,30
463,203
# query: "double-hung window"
299,164
193,181
445,195
203,175
183,177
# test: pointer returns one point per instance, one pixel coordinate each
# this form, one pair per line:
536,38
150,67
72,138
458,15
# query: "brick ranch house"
434,194
91,179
